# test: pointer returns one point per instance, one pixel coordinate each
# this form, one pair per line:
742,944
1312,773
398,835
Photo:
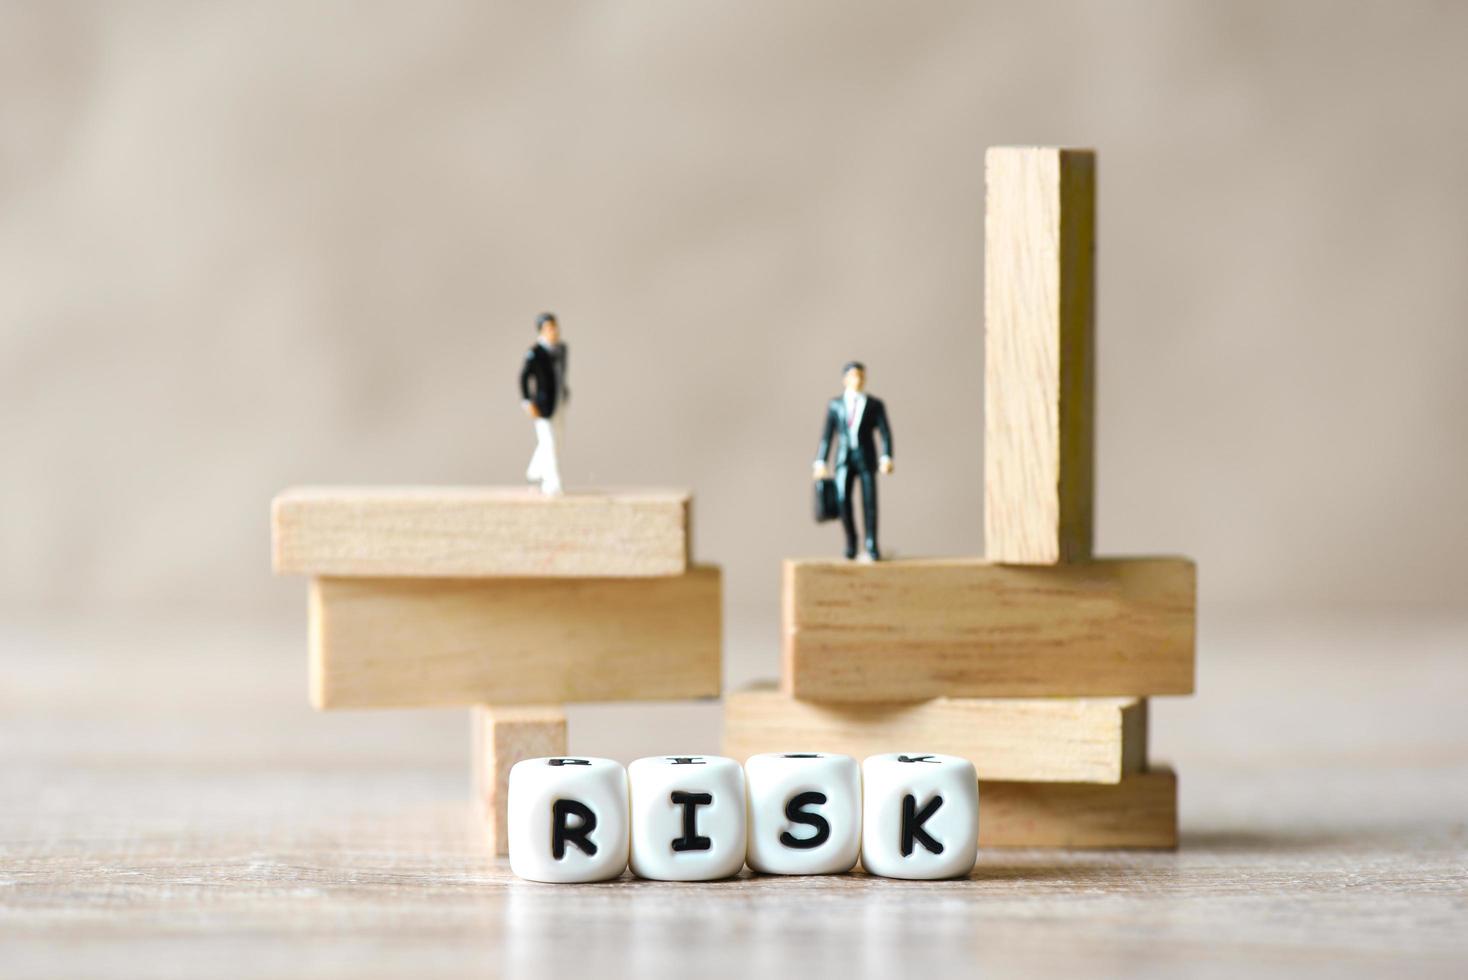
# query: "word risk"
700,818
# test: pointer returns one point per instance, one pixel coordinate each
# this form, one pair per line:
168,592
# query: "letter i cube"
568,819
804,813
920,816
687,817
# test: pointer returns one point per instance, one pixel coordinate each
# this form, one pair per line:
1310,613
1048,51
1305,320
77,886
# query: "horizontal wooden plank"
1138,812
470,532
502,736
419,642
1072,740
910,630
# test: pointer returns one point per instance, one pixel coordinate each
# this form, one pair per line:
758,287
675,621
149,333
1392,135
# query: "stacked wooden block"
1035,663
504,600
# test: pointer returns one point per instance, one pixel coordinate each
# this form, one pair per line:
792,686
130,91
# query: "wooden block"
472,532
1039,350
382,643
1069,740
1138,812
954,627
504,736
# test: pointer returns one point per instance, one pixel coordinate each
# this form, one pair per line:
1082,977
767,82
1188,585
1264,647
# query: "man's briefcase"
826,506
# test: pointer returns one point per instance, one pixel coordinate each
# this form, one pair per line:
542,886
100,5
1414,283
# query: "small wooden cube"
504,736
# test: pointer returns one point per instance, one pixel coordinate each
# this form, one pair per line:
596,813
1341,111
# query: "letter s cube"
920,815
568,819
687,817
804,813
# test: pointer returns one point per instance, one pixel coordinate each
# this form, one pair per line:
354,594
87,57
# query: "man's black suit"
543,378
856,459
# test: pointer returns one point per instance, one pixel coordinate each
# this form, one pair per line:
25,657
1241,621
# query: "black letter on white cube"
580,835
912,824
795,814
690,802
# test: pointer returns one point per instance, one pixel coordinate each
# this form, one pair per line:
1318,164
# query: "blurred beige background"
255,244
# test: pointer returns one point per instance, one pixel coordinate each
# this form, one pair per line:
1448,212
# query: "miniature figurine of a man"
852,420
544,395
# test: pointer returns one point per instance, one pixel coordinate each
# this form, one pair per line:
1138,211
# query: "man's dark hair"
543,319
857,365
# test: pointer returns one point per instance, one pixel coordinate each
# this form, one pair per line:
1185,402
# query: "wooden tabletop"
171,807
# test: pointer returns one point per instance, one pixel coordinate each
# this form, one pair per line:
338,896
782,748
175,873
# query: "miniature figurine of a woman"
544,395
852,420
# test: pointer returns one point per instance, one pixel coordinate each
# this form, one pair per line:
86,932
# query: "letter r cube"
568,819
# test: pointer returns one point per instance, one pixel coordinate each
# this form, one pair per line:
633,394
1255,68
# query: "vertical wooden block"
502,737
1039,349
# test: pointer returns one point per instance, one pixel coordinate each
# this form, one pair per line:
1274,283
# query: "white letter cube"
687,817
804,813
568,819
920,815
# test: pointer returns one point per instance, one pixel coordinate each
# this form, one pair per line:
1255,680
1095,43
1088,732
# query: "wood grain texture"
469,532
381,643
1059,740
503,736
1039,354
955,627
1140,811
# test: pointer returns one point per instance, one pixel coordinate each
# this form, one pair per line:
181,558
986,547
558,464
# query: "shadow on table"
1244,841
1041,871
